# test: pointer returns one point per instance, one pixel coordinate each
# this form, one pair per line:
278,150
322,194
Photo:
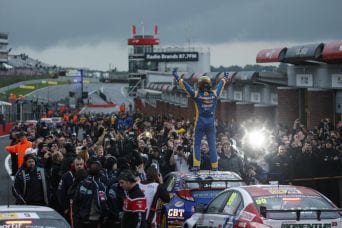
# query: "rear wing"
264,211
207,183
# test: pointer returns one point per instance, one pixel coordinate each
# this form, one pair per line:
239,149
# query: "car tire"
163,221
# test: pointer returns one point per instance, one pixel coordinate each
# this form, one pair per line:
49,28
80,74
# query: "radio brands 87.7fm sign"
172,56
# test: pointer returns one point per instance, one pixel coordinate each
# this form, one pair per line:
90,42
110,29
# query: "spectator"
205,157
179,160
329,163
305,166
230,161
281,166
31,184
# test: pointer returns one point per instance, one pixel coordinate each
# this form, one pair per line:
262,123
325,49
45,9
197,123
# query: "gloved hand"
228,77
175,74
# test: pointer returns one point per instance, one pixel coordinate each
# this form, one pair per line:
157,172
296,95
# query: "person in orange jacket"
20,148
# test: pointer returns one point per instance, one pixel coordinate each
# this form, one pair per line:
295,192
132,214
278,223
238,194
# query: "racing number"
175,213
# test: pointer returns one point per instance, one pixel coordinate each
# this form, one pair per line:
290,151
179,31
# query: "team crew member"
30,184
153,190
205,101
134,202
65,183
20,148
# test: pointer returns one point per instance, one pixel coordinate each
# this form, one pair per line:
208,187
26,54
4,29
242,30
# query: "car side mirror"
263,211
200,208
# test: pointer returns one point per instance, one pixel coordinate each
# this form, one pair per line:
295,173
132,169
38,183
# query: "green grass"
22,91
11,79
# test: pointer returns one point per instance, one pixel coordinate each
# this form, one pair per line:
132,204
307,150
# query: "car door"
222,211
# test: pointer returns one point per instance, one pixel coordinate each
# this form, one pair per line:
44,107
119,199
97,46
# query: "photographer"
179,159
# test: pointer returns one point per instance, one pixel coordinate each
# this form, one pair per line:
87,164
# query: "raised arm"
226,80
184,85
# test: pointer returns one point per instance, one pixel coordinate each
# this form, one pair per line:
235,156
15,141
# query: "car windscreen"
301,202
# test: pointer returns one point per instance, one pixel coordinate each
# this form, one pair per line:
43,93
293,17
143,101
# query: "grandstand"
24,61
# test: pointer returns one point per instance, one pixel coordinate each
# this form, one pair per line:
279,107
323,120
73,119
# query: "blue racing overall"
205,105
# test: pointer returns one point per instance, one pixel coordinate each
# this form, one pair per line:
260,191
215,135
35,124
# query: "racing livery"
265,206
189,189
205,101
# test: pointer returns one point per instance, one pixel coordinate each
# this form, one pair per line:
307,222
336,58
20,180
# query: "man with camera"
179,159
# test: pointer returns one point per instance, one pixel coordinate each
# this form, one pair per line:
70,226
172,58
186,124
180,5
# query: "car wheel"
163,222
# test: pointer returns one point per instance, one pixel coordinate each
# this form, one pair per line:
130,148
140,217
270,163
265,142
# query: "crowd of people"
107,170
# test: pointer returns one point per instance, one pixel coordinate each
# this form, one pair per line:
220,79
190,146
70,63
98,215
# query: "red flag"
134,30
155,29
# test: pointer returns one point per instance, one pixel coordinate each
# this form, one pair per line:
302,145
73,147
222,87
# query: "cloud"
103,55
70,26
100,56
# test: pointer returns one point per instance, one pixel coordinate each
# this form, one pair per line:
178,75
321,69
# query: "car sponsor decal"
231,198
245,215
19,215
261,201
282,190
307,225
179,204
242,224
176,213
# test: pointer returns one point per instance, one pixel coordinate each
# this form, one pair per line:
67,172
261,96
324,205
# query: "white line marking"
8,169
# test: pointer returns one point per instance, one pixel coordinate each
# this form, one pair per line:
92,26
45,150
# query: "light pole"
81,72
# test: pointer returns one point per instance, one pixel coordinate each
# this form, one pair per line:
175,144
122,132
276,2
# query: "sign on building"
237,95
336,80
304,80
255,97
172,56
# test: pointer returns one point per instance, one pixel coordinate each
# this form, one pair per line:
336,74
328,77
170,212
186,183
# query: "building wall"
244,111
266,114
226,111
288,105
320,104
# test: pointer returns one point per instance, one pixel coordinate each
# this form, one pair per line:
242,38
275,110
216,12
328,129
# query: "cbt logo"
175,213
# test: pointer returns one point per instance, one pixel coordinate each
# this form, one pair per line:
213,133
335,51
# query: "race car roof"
213,175
268,190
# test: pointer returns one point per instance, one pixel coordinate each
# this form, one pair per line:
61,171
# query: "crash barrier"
314,179
6,128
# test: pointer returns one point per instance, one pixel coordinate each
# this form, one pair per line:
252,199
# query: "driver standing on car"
205,100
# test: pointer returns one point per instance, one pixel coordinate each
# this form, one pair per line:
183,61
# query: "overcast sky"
93,33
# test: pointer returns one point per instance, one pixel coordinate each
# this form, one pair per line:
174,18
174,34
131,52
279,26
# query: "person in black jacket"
65,183
91,207
205,157
230,161
30,184
134,201
329,166
305,166
55,175
281,166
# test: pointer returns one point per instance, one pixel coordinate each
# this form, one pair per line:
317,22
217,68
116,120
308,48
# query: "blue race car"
192,188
